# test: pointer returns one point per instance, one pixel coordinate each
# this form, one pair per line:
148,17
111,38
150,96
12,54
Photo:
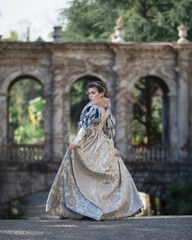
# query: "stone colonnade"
58,65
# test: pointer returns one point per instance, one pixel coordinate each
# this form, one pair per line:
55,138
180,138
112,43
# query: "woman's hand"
117,154
72,146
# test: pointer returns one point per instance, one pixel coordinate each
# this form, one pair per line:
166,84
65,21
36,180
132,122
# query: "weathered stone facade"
58,65
22,179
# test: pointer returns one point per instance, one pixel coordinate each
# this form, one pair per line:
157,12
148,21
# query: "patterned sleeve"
109,127
90,116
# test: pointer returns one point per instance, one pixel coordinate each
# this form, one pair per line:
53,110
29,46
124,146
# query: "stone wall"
58,65
22,179
155,178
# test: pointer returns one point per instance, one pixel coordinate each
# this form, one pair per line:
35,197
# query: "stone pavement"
137,228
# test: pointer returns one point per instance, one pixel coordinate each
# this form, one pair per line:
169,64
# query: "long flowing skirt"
93,182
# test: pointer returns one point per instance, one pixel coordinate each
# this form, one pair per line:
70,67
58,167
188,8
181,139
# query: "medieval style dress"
91,181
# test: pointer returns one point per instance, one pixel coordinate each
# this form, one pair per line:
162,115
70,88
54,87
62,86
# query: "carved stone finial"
117,36
182,32
120,22
57,34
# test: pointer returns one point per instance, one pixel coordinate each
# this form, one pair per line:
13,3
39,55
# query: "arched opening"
30,207
150,113
26,110
78,99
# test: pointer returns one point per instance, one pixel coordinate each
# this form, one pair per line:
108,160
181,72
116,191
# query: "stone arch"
8,82
170,80
66,103
21,78
24,77
75,78
16,76
165,106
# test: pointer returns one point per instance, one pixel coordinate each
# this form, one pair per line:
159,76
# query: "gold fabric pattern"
91,180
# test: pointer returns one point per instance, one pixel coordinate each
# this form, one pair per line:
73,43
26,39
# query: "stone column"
184,66
173,129
129,105
48,127
66,119
3,118
165,134
183,115
190,115
57,114
121,121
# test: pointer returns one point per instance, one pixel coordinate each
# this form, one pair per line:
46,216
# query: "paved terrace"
138,228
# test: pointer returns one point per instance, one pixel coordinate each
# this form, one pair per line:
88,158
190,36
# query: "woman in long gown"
92,180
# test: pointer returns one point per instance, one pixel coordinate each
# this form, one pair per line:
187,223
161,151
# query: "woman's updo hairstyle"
101,87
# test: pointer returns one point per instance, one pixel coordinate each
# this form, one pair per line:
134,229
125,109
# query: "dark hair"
101,87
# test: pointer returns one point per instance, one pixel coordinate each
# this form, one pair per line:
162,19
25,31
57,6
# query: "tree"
79,98
145,20
26,111
147,109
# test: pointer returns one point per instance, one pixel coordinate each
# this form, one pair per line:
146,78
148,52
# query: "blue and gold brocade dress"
91,181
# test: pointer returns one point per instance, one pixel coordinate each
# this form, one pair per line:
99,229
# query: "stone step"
34,206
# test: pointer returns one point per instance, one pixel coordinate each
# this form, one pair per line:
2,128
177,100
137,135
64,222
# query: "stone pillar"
3,118
190,115
173,129
121,121
183,68
48,127
165,133
57,114
129,105
66,119
183,116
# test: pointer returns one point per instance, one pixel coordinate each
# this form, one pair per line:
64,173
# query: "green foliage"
26,111
29,133
79,98
36,111
14,116
179,198
145,20
147,110
16,210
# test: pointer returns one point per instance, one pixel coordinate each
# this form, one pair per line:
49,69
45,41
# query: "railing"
34,152
21,152
156,153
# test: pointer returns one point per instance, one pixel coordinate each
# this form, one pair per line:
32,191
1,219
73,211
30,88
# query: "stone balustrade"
21,152
151,153
34,152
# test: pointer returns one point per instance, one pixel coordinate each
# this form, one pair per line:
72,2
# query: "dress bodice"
104,116
98,117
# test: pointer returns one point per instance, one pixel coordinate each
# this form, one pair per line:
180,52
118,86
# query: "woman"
92,180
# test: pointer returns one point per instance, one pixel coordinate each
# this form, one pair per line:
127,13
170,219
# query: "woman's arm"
77,140
90,116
